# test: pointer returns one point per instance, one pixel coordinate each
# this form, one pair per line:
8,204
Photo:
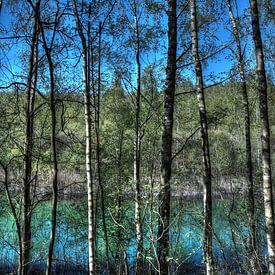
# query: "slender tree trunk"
55,170
54,162
126,266
167,135
249,166
265,136
15,217
30,99
137,144
48,53
152,168
119,199
88,124
98,157
207,192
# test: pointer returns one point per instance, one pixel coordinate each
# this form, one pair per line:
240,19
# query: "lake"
186,247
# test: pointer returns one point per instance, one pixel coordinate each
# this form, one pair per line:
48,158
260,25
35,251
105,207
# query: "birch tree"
207,180
98,148
167,136
29,132
265,136
88,137
48,47
137,145
249,166
15,215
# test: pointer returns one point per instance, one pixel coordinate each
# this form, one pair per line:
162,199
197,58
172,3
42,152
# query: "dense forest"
137,137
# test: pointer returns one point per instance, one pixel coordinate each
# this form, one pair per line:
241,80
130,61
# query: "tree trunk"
249,166
265,136
119,199
48,53
98,157
207,192
30,99
88,124
54,160
137,144
14,215
87,102
167,135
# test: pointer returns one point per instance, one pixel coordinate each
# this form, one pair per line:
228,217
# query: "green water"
229,243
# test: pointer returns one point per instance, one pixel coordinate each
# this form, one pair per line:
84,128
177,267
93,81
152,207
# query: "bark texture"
137,155
48,53
27,178
98,153
167,136
54,158
14,215
248,149
207,181
88,151
265,136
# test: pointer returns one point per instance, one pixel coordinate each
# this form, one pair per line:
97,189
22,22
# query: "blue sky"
220,65
8,56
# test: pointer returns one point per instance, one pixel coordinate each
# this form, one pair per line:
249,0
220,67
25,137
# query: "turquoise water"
229,243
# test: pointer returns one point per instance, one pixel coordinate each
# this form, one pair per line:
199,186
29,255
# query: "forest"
137,137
